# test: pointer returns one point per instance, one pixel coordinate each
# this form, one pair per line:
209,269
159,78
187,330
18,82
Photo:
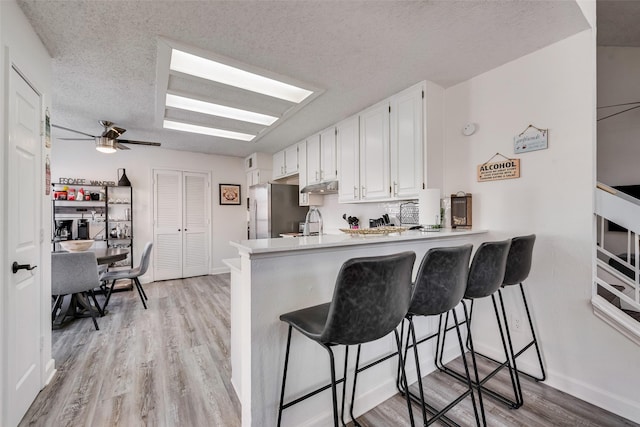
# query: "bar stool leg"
419,373
404,377
344,382
284,375
474,364
515,380
535,340
466,370
334,394
513,368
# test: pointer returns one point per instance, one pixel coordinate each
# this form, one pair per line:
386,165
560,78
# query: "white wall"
552,88
71,159
618,148
21,47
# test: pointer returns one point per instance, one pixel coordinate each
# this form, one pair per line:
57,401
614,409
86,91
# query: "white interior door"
181,224
195,246
23,313
167,224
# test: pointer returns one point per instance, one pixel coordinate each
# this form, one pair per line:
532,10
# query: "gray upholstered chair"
440,284
132,274
370,299
74,273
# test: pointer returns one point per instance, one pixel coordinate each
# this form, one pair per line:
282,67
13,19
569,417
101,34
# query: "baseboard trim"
49,372
619,405
219,270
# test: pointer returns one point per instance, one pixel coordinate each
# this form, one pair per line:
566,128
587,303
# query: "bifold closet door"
181,224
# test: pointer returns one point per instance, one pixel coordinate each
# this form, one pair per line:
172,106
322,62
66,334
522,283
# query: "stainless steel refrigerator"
273,210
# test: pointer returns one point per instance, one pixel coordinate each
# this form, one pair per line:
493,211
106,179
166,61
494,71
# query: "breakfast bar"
276,276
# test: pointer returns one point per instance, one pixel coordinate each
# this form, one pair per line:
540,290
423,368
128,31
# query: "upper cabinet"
321,156
348,149
380,152
407,142
285,162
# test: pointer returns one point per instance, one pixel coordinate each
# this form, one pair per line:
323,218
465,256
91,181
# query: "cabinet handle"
395,189
317,176
355,192
364,192
282,170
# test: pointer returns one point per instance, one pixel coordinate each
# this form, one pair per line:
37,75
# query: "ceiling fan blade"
128,141
77,139
120,146
72,130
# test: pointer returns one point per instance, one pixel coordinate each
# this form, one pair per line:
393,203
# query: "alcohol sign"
506,169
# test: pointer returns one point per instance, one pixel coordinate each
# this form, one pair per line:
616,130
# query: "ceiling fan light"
105,145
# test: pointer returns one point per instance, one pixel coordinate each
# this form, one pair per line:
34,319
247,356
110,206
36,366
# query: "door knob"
15,267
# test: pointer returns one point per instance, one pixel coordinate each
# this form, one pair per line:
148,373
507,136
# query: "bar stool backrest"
370,298
487,269
519,260
441,280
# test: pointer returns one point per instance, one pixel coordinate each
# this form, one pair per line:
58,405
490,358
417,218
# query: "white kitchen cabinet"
303,198
406,142
258,176
285,162
374,153
321,156
328,169
348,154
278,165
258,161
385,159
291,160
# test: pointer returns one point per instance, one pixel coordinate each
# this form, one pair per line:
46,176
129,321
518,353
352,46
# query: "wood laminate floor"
169,366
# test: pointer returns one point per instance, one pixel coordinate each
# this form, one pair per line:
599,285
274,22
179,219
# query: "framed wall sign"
495,171
229,194
531,139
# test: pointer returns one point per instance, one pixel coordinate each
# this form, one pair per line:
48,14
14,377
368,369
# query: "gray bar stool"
518,268
439,287
370,299
486,275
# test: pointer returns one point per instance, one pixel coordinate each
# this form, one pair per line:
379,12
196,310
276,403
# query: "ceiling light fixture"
186,127
198,106
211,70
105,145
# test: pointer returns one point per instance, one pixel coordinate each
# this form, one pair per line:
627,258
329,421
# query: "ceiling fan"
108,141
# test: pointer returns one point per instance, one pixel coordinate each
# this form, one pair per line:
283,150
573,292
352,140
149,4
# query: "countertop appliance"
274,210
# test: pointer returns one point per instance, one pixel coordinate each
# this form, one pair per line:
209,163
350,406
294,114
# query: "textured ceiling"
104,53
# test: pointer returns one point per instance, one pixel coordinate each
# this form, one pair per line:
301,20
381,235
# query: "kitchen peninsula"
275,276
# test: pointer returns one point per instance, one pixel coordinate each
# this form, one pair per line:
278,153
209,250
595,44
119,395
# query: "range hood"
329,187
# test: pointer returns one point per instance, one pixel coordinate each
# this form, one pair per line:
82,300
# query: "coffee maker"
83,229
63,229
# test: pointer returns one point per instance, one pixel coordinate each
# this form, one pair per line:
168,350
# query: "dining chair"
74,273
131,274
370,299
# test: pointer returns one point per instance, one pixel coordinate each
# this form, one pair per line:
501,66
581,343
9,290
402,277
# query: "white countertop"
264,246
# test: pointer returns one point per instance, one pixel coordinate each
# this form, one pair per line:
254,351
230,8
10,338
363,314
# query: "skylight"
198,106
212,70
205,130
207,93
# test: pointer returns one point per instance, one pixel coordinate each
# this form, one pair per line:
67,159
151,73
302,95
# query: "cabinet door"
195,221
407,138
348,146
374,153
313,159
167,227
278,165
291,160
303,198
328,169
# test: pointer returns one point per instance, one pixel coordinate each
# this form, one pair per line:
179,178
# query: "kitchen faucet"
308,220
